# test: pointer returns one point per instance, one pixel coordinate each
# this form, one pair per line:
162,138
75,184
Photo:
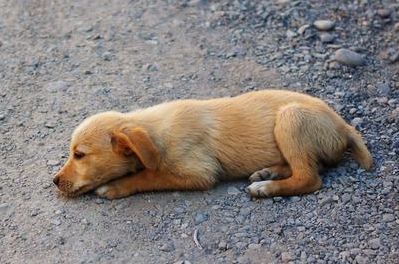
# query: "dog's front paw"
259,189
109,192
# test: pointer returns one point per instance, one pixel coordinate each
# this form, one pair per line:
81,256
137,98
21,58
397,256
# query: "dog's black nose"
56,180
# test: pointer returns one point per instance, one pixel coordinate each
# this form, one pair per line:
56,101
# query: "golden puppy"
279,139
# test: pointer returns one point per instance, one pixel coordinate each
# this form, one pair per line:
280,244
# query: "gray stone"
375,243
200,218
231,190
46,185
357,122
388,217
222,245
277,198
49,124
3,207
56,222
53,162
107,56
395,144
99,201
254,246
290,34
240,245
168,247
295,199
286,257
361,259
346,197
384,12
151,67
180,210
350,58
326,200
327,37
302,29
383,88
35,212
57,86
324,24
2,117
282,2
395,113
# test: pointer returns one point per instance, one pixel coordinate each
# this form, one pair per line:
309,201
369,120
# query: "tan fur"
192,144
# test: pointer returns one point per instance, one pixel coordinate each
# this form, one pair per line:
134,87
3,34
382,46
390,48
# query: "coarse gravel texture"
61,61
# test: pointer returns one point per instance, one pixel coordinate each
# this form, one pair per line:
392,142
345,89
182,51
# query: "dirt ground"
61,61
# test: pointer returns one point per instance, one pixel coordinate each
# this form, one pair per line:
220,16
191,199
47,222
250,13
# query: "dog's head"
104,147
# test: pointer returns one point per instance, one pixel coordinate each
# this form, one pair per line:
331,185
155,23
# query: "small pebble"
346,197
286,257
302,29
290,34
169,247
200,218
107,56
49,125
254,246
99,201
349,57
231,190
324,24
375,243
56,86
295,199
327,38
388,217
46,185
361,259
3,206
222,245
395,144
357,122
53,162
384,13
56,222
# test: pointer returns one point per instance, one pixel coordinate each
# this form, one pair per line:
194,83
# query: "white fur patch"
81,184
101,191
82,148
259,189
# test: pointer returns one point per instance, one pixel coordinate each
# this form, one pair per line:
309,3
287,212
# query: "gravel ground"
61,61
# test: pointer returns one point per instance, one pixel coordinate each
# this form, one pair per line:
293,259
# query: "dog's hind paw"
262,175
259,189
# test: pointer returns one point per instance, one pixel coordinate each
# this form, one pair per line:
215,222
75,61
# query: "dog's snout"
56,180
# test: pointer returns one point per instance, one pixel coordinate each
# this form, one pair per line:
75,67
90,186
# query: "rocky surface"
64,60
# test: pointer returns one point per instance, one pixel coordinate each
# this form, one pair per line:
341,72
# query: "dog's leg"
301,135
271,173
147,180
303,180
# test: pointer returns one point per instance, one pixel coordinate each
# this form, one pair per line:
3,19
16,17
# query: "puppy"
279,139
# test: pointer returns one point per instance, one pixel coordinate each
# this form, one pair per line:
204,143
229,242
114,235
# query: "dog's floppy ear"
135,141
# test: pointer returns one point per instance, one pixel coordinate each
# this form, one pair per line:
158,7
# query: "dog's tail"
359,151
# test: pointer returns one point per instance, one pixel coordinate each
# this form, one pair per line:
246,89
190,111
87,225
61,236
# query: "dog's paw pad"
258,189
262,175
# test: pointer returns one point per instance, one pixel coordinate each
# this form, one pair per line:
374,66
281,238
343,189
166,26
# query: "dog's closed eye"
78,155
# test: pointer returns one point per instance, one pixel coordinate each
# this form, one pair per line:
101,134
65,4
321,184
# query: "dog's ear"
136,141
